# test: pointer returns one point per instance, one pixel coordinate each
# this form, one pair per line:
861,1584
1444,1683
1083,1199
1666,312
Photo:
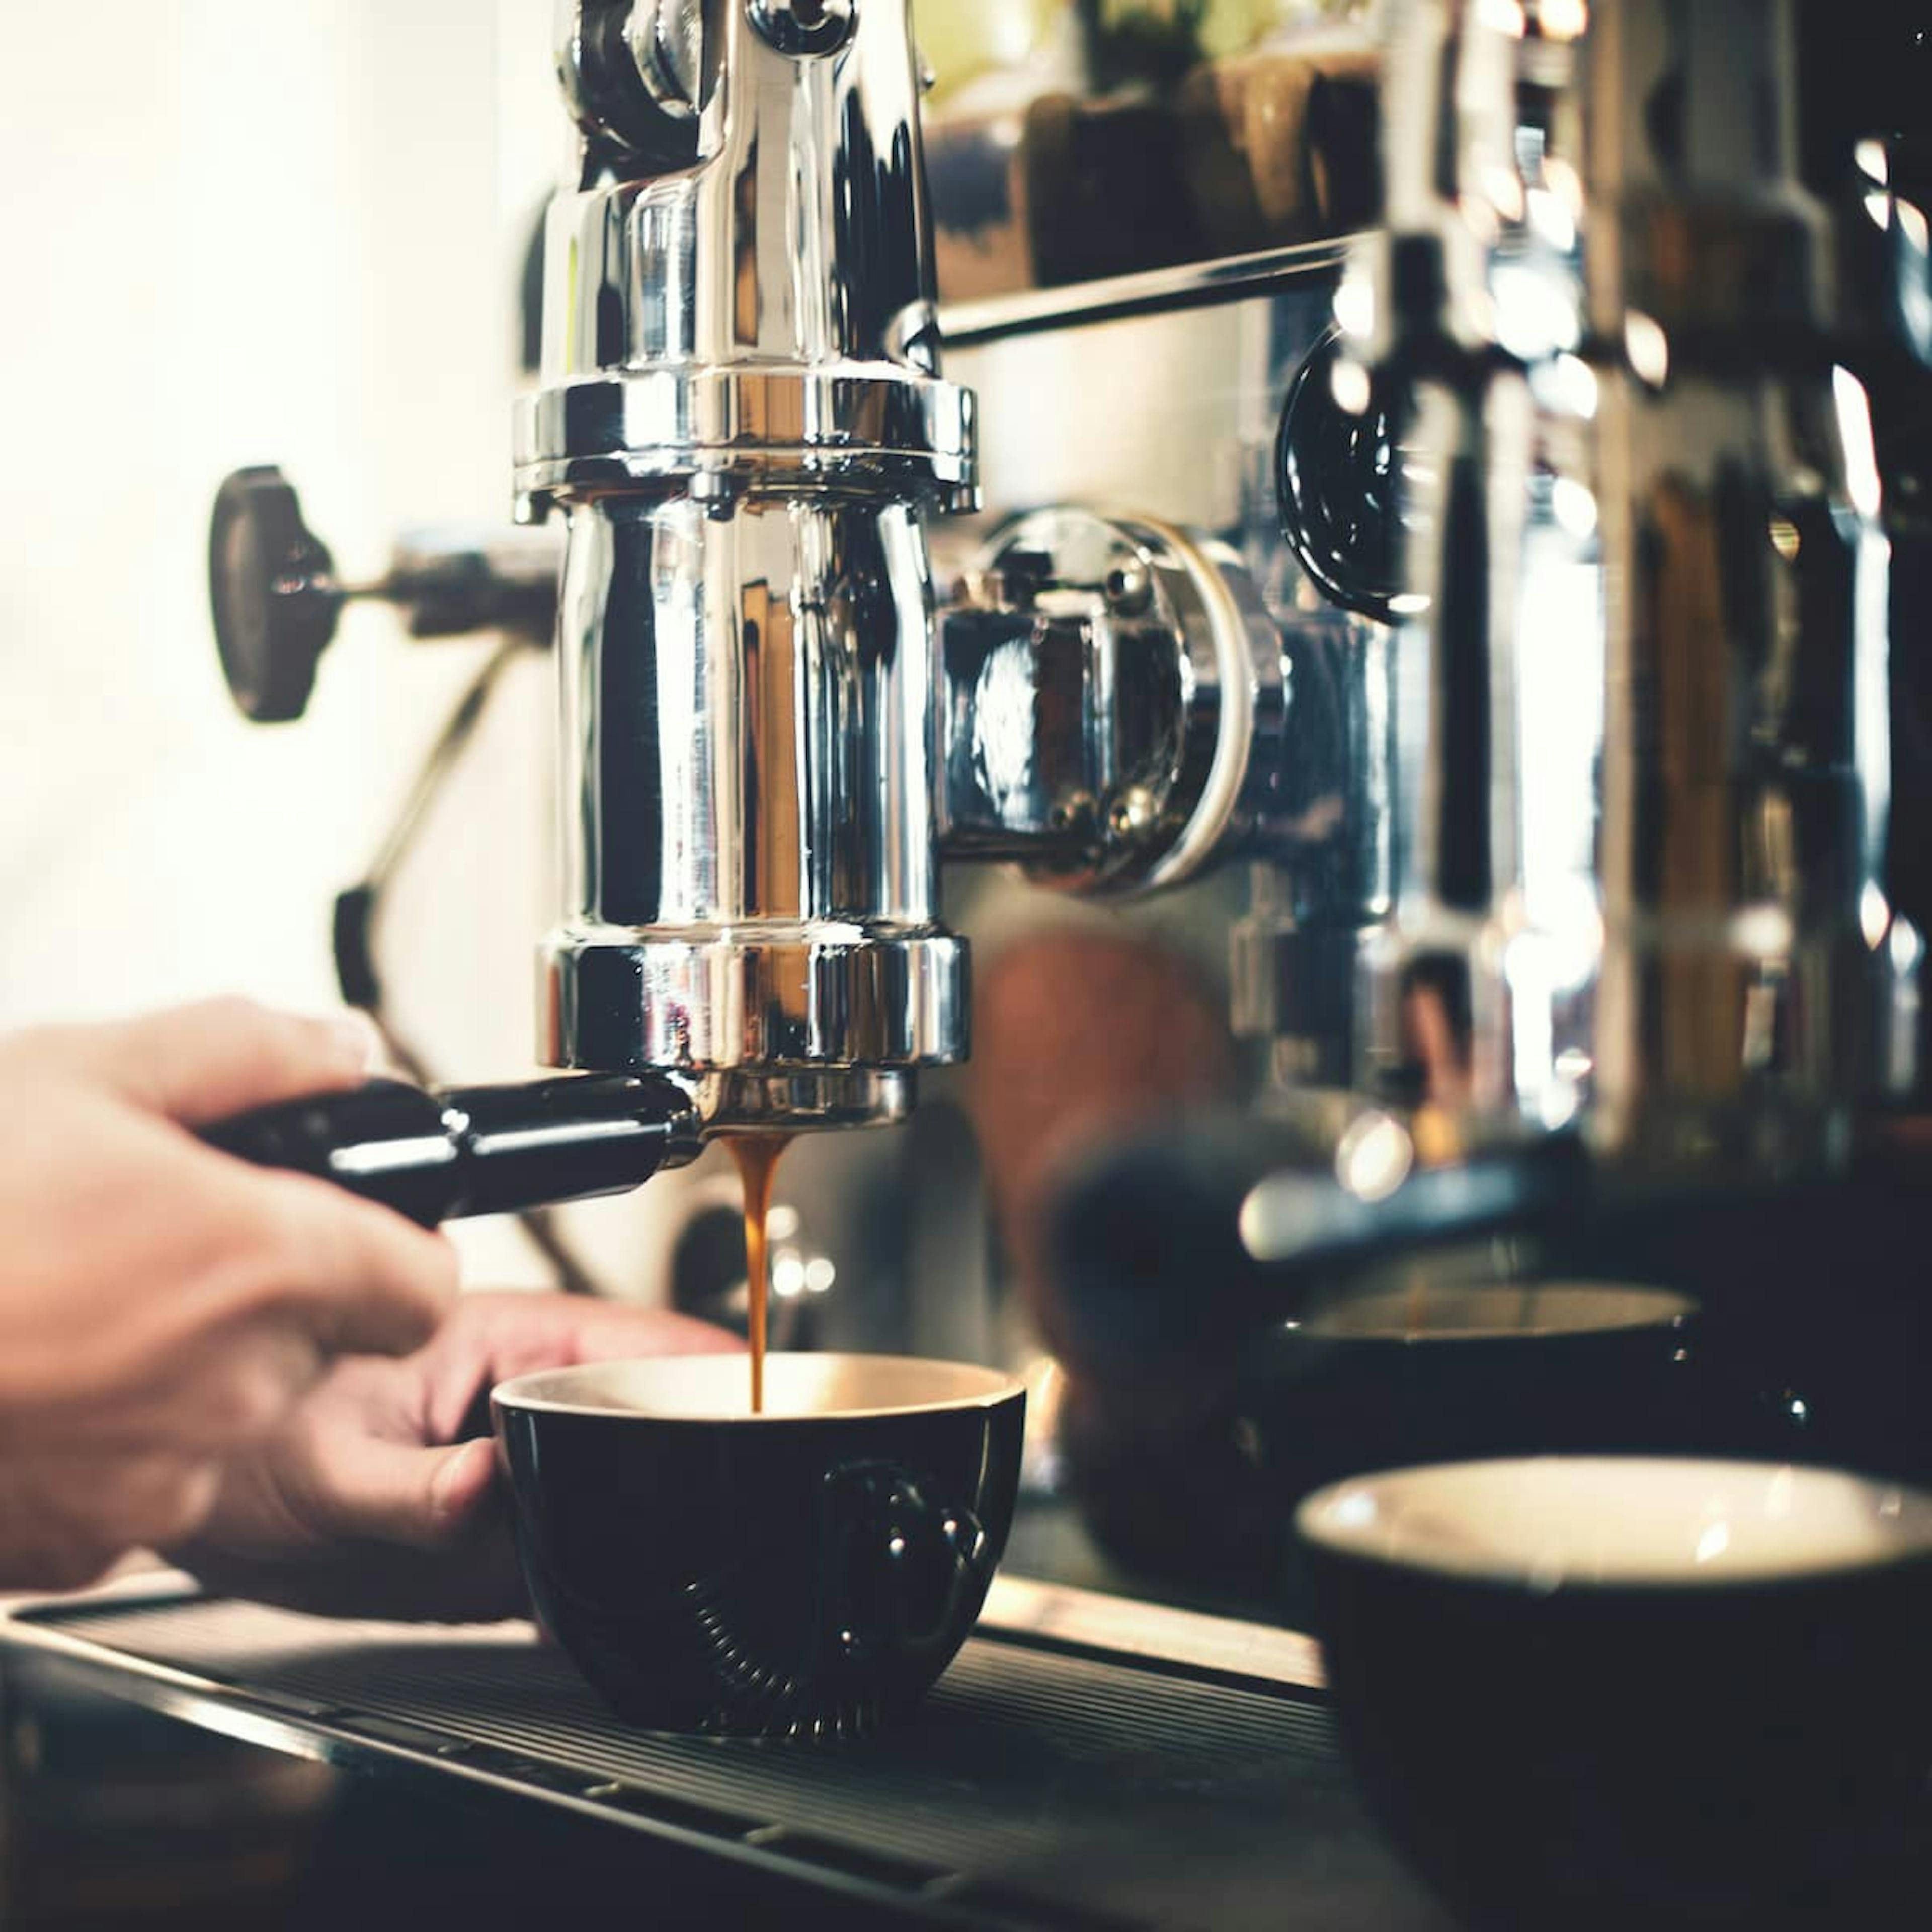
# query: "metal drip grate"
1032,1787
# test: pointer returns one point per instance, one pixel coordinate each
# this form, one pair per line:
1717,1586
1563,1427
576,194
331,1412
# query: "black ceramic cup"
1383,1377
1588,1692
1386,1376
810,1569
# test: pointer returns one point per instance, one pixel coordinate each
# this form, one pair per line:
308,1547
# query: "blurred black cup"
1448,1369
807,1571
1442,1370
1597,1692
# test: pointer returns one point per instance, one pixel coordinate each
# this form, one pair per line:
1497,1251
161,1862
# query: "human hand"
369,1502
163,1305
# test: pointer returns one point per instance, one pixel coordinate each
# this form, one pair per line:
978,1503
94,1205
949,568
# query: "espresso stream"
756,1155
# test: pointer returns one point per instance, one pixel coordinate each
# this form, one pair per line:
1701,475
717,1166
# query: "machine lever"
276,598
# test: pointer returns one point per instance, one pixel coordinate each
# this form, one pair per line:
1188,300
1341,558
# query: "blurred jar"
1063,43
978,50
1072,140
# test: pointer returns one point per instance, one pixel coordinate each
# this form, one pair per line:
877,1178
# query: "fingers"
492,1337
199,1064
362,1280
196,1299
236,1290
464,1479
607,1331
214,1391
64,1522
392,1492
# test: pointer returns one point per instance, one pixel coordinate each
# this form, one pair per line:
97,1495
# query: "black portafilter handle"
459,1150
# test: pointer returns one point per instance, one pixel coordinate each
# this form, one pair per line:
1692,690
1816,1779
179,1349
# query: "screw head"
802,27
667,42
1128,590
1133,814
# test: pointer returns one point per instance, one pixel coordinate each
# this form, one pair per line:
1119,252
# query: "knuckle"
326,1261
230,1012
152,1501
248,1401
183,1502
270,1237
442,1272
411,1273
232,1026
432,1294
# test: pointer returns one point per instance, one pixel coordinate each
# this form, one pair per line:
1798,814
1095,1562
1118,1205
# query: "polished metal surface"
1640,744
841,1097
1319,899
747,726
804,26
454,579
1338,484
829,432
743,419
1175,408
1111,687
794,251
1184,285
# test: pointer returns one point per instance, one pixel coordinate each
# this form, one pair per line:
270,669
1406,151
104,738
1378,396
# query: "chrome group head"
743,421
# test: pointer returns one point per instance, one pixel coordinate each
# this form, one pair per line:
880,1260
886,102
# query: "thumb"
392,1492
196,1064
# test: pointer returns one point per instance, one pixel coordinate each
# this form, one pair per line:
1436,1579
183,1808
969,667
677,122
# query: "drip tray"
1044,1782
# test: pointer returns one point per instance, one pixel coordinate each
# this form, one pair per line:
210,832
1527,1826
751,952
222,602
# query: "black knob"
1337,479
272,589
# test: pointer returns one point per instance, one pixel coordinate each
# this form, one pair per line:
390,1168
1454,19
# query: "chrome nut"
805,26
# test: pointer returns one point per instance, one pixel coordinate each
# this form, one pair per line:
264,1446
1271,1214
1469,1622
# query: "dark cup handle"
902,1563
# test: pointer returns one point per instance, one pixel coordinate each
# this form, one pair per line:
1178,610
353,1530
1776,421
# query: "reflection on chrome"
742,420
1639,776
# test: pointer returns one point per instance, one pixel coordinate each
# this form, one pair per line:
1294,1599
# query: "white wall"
238,231
234,233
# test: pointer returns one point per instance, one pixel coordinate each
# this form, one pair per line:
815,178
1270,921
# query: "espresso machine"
1477,653
771,732
1504,593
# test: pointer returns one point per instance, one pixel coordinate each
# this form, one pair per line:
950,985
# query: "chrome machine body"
1640,769
1508,588
1571,950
